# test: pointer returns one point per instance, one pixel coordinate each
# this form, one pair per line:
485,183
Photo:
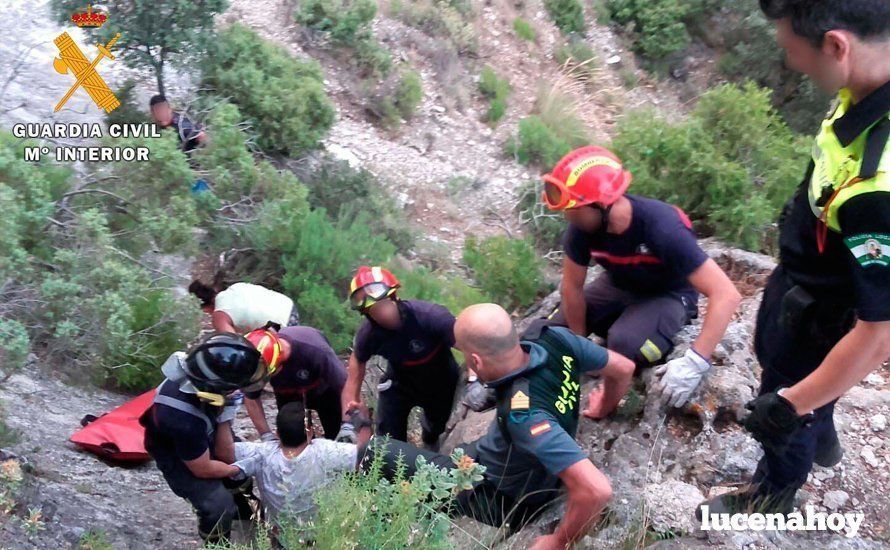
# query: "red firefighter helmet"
370,285
585,176
266,342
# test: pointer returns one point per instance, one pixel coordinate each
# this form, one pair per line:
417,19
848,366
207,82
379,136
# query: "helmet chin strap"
604,217
213,399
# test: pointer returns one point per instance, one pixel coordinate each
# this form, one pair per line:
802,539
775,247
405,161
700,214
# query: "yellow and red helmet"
266,341
585,176
370,285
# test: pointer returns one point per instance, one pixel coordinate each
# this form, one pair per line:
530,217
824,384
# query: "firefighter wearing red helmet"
415,338
653,272
303,367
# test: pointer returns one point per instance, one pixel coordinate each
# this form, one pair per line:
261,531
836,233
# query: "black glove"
773,420
478,397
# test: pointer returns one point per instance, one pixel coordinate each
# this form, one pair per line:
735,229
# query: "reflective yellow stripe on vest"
837,166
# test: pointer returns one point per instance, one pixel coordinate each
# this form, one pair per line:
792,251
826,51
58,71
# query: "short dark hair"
157,99
205,293
291,424
811,19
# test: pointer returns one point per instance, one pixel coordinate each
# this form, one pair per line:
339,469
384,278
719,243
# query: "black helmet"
225,362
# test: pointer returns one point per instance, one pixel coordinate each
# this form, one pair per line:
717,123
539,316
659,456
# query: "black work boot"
747,500
829,452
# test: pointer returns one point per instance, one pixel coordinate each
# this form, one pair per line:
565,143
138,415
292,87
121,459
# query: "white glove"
681,376
268,436
347,434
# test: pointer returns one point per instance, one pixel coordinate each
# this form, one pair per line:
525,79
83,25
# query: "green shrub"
524,29
346,21
575,50
396,99
752,53
106,311
536,143
555,130
407,512
509,270
730,166
344,191
372,58
152,209
544,225
449,290
281,96
313,257
15,344
91,300
568,15
447,19
496,89
658,26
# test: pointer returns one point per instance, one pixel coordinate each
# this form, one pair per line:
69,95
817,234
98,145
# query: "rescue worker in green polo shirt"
824,322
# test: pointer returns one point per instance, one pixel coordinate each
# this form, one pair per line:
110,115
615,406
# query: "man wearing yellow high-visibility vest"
824,323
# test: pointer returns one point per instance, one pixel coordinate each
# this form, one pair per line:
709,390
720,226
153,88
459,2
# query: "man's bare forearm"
717,318
257,415
574,309
858,353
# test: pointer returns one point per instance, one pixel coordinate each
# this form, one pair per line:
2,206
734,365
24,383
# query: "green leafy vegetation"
524,29
509,270
577,57
568,15
348,24
396,99
730,166
449,290
88,301
658,26
752,53
344,191
94,539
407,511
496,89
545,226
451,20
14,346
555,129
282,97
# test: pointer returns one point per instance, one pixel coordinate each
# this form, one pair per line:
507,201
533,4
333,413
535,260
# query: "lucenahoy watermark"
847,523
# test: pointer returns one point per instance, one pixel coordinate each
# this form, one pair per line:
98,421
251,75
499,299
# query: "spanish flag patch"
540,428
519,401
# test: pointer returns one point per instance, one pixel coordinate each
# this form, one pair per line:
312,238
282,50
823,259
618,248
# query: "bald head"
486,330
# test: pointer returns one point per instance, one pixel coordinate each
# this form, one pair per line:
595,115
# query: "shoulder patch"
870,249
519,401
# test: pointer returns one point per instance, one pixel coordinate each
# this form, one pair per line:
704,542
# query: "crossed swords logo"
72,60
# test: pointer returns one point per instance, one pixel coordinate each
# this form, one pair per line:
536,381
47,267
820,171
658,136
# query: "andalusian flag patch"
870,248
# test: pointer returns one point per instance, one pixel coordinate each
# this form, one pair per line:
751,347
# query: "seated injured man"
291,470
530,450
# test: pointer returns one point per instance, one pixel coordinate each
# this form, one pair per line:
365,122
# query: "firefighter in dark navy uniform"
824,322
415,337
